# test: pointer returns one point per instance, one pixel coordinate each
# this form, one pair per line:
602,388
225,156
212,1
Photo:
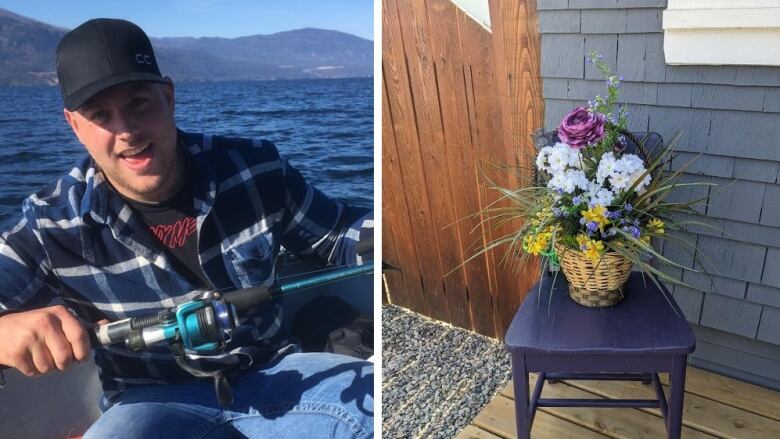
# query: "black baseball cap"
102,53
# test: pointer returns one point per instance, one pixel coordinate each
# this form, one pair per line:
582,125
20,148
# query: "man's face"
130,132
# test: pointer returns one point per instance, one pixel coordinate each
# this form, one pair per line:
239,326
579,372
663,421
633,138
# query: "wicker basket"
604,287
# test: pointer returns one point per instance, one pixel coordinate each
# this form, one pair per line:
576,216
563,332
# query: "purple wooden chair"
644,334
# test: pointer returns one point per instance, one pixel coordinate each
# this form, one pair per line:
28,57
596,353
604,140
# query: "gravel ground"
435,377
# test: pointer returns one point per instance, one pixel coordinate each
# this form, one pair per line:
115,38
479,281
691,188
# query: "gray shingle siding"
769,329
690,302
764,295
562,56
560,21
730,315
756,170
552,4
728,117
608,21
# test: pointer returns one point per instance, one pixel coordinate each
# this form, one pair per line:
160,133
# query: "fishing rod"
203,325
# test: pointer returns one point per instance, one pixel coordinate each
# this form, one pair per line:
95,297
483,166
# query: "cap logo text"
143,59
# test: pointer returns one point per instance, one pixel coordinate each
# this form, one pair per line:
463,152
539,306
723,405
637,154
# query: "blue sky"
198,18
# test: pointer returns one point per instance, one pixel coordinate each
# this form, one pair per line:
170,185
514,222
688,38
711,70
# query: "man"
152,218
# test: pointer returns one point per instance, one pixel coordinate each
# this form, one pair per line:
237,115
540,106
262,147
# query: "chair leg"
676,395
520,380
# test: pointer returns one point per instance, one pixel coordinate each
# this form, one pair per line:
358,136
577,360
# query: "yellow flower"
535,244
595,250
597,215
582,240
657,225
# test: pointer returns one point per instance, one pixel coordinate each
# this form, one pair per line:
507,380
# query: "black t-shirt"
173,224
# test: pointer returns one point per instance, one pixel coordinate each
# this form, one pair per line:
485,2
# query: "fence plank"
428,112
516,43
459,154
396,77
405,284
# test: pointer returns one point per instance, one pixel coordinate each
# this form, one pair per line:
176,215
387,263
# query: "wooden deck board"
715,406
473,432
498,418
746,396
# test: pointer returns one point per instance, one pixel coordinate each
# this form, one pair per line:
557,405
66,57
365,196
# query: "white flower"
578,179
606,167
600,195
558,160
642,186
618,181
629,164
541,159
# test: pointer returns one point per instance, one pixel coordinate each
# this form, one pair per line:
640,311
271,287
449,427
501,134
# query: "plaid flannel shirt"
79,244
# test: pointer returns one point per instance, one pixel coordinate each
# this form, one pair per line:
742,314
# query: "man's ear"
169,92
70,117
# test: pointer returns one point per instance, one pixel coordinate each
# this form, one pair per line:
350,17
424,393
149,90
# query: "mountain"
27,51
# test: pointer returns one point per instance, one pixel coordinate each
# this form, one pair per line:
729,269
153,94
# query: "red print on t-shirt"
176,234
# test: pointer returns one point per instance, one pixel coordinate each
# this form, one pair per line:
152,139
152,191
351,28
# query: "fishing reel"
202,325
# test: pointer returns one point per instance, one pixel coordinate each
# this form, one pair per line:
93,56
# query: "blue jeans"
304,395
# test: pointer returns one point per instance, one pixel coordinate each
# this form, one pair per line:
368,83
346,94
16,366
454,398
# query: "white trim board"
478,10
722,32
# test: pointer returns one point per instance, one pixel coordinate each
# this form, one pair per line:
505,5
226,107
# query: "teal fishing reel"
202,326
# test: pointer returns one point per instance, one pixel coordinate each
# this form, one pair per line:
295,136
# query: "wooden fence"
456,99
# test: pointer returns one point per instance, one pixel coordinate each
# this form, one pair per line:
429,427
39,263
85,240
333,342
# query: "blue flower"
628,207
576,200
582,220
592,226
633,230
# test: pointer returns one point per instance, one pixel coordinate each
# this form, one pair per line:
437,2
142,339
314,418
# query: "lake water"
324,127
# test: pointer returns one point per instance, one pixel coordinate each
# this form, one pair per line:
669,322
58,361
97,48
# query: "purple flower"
628,207
633,230
576,200
592,226
581,128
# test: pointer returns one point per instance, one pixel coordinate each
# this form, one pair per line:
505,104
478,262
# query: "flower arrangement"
596,190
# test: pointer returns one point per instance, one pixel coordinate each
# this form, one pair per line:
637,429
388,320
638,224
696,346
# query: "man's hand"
40,341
